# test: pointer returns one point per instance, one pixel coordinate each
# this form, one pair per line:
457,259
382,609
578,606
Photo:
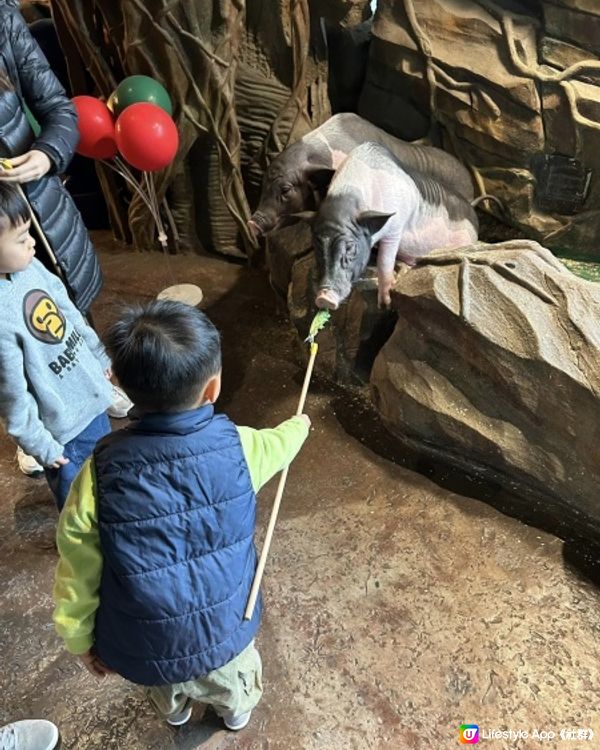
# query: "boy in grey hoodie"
54,372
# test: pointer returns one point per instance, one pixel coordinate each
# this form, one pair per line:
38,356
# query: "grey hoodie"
52,381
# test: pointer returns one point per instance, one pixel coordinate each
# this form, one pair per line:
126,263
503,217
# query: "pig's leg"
386,260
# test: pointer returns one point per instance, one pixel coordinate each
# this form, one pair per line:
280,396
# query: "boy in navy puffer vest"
156,540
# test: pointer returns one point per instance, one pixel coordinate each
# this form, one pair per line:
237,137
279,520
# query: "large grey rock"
494,366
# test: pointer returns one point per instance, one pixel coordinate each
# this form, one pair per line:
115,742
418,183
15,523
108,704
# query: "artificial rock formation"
516,87
493,366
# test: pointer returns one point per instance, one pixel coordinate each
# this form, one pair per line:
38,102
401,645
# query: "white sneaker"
178,720
28,465
121,404
235,723
29,734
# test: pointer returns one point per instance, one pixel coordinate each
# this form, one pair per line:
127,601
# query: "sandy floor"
396,610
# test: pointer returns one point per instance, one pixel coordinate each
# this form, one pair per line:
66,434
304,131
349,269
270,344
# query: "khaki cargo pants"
231,690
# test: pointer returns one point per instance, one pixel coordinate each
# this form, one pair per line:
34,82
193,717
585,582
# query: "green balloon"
140,89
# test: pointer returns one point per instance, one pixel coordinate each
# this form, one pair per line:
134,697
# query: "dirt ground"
396,609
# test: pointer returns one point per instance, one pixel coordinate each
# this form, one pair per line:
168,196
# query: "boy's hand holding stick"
319,322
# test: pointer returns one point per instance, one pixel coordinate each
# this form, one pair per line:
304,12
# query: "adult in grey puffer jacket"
25,76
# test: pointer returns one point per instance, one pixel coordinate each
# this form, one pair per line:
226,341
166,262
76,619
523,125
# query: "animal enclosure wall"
516,88
512,88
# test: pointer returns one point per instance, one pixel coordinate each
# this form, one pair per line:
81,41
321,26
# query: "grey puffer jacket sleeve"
44,95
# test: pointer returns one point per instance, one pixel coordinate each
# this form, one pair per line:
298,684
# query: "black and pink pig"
374,200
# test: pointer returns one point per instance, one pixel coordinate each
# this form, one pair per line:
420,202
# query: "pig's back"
345,131
426,214
373,174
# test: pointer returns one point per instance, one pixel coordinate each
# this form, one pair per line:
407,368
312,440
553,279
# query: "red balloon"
146,136
96,128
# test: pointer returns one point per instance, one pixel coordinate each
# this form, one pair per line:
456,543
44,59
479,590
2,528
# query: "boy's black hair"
13,207
163,353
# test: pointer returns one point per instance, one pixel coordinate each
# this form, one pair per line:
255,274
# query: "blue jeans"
77,451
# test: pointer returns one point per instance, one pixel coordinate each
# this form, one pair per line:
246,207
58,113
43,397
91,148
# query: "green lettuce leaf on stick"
319,322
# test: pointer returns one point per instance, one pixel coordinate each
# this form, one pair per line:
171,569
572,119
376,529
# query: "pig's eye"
351,252
285,191
347,254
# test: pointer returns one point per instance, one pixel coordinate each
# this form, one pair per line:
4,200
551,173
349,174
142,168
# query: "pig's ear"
373,220
306,216
320,176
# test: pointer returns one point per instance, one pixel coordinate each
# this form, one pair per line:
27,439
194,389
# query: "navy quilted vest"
176,513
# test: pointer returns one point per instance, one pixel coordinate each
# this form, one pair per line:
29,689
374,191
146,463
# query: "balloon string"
162,236
171,220
122,170
151,191
150,199
147,195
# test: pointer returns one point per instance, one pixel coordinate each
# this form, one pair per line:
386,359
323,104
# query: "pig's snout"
261,223
254,228
327,299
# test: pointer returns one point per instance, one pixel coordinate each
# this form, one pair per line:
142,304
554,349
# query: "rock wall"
516,88
493,366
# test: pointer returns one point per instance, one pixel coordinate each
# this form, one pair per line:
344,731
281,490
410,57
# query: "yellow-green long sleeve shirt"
79,570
